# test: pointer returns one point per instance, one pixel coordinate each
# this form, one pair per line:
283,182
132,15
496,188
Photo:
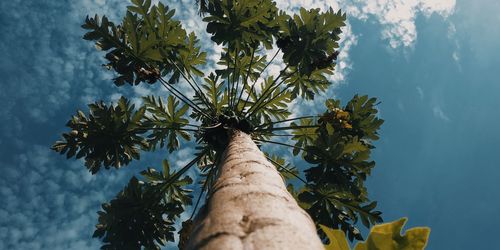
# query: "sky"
433,64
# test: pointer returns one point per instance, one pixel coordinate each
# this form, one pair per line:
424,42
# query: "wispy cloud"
439,113
420,92
50,203
398,17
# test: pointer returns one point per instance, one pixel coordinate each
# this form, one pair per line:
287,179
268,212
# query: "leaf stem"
234,90
282,144
263,104
200,93
183,170
186,100
287,128
245,81
253,84
267,92
287,120
284,168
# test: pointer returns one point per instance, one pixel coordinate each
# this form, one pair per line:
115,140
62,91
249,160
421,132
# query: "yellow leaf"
385,236
337,239
388,236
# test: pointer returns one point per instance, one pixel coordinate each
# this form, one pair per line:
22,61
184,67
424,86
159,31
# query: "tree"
234,110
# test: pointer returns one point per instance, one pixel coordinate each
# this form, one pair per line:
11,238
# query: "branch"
284,168
171,128
201,194
184,169
234,89
283,144
245,81
266,94
186,100
289,135
263,104
287,120
253,85
200,93
287,128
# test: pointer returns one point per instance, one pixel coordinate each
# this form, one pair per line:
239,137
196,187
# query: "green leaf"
337,207
214,90
241,24
304,136
307,85
169,184
340,153
309,41
108,135
167,122
147,44
273,104
135,218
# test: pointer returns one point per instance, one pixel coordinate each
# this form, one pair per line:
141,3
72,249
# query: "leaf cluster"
240,64
309,40
339,150
132,220
166,122
109,135
240,23
307,85
143,214
146,45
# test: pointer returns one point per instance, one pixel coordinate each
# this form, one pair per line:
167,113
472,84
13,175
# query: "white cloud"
439,113
398,16
50,203
420,92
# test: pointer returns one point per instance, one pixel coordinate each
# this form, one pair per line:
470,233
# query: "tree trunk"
250,207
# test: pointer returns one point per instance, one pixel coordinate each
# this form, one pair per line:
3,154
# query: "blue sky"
432,63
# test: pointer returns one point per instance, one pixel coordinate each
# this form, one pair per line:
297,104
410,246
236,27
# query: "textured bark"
250,207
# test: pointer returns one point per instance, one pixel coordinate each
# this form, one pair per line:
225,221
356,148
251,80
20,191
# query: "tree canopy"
150,46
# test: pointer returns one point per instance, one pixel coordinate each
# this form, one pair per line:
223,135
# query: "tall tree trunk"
250,207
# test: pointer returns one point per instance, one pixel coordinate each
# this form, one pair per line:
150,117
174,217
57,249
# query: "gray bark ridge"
250,207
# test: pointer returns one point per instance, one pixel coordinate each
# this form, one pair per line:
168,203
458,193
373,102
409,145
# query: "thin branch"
282,144
245,81
183,170
265,94
283,135
186,100
253,85
171,128
200,93
287,120
287,128
234,92
284,168
176,123
263,104
201,193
